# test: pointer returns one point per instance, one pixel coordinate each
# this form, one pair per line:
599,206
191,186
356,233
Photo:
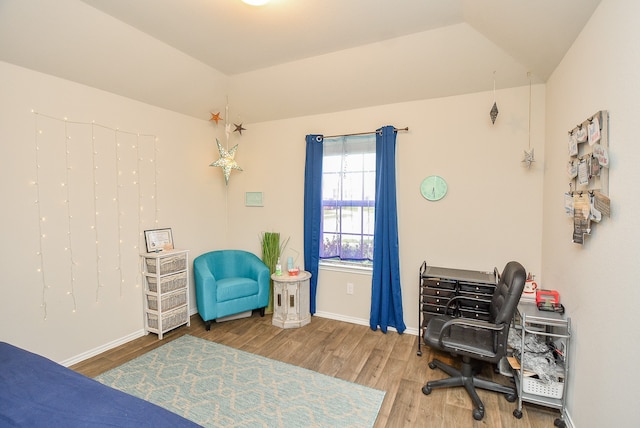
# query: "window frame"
347,144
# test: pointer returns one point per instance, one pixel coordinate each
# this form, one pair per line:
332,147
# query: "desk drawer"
475,301
477,315
436,292
439,283
436,300
436,309
471,287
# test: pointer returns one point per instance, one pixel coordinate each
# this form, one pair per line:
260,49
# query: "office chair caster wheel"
517,413
559,423
432,365
478,414
511,398
426,390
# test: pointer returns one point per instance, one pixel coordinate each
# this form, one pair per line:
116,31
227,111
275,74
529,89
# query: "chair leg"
262,311
207,325
465,378
492,386
445,368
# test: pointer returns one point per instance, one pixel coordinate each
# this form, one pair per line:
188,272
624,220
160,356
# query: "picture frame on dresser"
158,240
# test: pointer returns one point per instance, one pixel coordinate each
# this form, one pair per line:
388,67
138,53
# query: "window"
348,198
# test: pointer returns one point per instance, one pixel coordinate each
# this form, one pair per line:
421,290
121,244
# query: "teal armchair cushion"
229,282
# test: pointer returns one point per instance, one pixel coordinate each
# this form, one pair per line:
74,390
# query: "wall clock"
433,188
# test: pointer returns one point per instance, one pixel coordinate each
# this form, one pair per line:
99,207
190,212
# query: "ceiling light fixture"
256,2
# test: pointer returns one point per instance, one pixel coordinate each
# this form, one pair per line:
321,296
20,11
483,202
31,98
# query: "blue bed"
37,392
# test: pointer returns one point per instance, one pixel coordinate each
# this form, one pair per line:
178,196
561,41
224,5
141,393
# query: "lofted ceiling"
291,57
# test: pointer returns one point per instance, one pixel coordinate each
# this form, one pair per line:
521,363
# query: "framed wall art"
158,240
253,199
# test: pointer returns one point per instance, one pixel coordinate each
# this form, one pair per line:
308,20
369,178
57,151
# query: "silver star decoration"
494,113
226,161
528,158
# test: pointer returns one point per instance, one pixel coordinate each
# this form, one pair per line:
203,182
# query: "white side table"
291,301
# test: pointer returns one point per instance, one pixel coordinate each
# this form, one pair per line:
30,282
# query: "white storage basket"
169,320
168,301
535,386
168,283
167,264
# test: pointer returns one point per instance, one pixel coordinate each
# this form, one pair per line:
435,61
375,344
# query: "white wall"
491,215
597,281
188,200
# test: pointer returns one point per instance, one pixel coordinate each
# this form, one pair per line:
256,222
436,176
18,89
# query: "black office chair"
476,340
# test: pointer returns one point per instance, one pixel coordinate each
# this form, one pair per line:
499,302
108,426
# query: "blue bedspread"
37,392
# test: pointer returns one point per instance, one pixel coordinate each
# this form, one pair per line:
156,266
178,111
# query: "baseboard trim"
568,419
107,346
359,321
103,348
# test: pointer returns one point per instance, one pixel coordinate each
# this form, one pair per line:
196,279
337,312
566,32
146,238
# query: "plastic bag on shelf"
538,357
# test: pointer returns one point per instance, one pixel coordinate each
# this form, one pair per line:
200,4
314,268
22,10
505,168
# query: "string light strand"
40,269
69,248
68,202
118,210
94,156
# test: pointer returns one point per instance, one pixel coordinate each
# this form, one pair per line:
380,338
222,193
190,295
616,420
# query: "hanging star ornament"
239,128
494,113
528,158
215,117
226,161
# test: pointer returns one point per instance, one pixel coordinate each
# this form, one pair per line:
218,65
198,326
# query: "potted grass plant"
272,249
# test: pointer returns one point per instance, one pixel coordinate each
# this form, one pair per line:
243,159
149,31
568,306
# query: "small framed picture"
253,199
158,240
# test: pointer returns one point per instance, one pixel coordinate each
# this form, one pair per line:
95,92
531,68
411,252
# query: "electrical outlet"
349,287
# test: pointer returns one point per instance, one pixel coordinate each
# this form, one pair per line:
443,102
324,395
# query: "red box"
550,297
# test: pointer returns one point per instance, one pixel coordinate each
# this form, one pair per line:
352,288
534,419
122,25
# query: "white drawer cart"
554,327
166,290
291,301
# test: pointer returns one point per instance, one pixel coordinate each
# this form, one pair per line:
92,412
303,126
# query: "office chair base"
466,379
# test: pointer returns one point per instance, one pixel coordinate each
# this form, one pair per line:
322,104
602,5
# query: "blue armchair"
229,282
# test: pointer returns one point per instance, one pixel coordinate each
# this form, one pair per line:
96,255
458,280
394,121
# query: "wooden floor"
354,353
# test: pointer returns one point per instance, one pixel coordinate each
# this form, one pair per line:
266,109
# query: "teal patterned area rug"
218,386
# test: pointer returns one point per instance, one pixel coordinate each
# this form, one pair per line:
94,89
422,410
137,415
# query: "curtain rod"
406,128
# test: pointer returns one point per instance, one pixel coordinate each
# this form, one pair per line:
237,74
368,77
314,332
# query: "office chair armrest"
467,322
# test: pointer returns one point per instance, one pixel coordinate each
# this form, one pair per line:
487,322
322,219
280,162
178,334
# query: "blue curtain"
312,211
386,296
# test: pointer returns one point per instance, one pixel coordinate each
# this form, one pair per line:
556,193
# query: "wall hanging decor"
493,113
433,188
239,128
253,199
227,156
226,161
528,154
215,117
587,200
95,189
